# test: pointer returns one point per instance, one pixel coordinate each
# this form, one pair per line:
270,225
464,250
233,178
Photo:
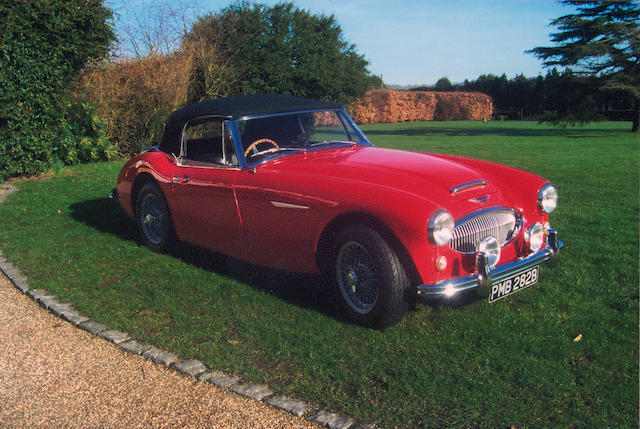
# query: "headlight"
548,198
440,227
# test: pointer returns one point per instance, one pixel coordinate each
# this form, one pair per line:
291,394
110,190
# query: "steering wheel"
256,143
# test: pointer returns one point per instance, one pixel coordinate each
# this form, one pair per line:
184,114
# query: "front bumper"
485,276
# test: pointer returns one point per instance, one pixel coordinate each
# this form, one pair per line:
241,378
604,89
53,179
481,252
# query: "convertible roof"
234,107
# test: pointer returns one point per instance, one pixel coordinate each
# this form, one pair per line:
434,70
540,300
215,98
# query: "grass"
489,365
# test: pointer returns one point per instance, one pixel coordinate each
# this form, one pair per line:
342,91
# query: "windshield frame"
346,121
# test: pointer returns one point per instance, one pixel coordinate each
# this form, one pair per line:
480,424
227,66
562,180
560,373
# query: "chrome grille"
503,224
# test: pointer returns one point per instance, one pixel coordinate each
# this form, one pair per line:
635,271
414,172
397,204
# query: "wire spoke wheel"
357,278
153,219
368,277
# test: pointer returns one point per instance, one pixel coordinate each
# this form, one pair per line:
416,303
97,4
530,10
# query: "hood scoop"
468,186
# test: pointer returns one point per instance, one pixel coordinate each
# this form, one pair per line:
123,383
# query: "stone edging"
192,368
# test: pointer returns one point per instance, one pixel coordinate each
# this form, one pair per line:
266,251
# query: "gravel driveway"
53,374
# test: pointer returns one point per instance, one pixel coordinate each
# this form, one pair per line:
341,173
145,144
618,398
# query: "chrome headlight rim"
440,227
547,198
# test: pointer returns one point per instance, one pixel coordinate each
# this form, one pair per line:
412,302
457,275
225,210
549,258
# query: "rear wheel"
154,221
370,280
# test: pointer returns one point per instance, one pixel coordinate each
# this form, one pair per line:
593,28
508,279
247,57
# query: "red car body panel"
275,213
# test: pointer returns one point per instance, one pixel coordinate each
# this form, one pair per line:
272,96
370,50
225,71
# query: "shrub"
43,44
83,137
135,96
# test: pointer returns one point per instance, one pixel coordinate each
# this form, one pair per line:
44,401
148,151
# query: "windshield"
294,132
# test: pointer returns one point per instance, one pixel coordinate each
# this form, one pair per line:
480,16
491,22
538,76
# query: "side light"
441,263
547,198
440,227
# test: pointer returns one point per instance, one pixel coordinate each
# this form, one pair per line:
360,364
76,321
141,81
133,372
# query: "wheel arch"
140,180
325,248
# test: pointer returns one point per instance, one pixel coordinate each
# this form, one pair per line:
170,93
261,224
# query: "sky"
415,42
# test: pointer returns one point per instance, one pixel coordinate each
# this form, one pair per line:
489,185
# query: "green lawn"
514,362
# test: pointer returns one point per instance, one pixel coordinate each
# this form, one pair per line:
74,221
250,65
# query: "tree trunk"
636,117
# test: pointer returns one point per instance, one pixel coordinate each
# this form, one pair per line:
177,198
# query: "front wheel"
152,216
370,280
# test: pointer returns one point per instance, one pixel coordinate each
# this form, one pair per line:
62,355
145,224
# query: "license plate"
514,283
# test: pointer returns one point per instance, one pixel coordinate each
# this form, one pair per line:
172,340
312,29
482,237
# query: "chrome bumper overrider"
485,276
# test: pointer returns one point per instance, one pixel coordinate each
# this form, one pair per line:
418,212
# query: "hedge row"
383,105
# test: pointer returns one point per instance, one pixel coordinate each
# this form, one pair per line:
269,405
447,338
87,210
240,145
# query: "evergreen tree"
602,42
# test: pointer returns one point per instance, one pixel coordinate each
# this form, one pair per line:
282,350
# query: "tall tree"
601,40
278,49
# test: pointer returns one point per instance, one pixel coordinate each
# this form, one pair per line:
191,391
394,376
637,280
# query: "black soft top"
235,107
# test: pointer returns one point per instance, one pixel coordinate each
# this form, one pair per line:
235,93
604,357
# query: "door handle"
185,179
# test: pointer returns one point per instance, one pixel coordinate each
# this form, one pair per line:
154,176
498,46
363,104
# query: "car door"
281,220
282,215
203,188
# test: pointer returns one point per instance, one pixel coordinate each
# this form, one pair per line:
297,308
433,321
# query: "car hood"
425,175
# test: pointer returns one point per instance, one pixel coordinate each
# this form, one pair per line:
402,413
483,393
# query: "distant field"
514,362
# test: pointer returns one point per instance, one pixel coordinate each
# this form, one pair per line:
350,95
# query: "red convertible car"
293,184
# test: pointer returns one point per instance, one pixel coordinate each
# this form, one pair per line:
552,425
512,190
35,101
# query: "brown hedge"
135,96
383,105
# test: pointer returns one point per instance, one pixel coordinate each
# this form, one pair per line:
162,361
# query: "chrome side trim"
482,280
189,164
282,205
469,185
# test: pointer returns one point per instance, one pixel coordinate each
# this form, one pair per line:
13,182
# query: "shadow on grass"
104,215
303,290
